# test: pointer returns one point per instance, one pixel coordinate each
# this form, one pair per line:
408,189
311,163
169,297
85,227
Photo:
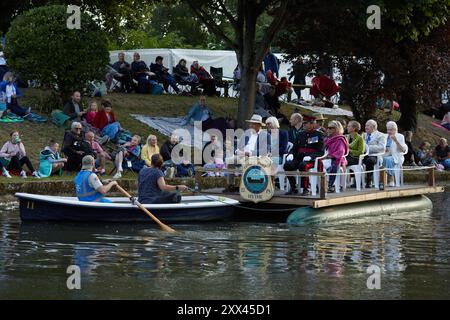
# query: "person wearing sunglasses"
337,146
75,148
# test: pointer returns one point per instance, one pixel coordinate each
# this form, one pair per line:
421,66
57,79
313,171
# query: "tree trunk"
249,68
408,109
247,94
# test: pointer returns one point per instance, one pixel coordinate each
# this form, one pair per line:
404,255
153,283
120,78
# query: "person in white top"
13,157
395,150
254,143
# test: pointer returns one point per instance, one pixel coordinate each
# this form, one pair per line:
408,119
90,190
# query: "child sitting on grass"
50,161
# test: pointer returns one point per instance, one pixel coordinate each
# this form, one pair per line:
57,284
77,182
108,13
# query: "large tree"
406,56
41,47
112,15
244,17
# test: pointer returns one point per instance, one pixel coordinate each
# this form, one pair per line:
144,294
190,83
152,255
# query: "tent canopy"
207,58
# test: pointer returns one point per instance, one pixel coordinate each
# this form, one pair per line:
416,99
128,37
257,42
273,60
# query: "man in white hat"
254,143
255,140
88,186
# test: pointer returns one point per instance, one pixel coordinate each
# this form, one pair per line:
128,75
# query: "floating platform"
337,199
387,207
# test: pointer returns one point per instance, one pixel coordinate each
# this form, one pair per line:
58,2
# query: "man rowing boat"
88,186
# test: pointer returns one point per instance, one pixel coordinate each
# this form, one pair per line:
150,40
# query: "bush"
39,46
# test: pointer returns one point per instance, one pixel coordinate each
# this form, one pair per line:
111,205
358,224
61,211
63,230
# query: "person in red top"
105,121
206,80
105,116
324,87
282,86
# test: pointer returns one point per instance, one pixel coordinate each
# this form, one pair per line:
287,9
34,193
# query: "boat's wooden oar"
134,201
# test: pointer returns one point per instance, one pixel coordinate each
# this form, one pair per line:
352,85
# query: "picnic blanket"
323,110
11,118
166,126
34,117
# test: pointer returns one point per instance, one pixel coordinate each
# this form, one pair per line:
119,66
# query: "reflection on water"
229,260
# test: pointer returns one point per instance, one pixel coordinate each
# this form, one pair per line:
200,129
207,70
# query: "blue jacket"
196,113
3,85
283,142
271,63
84,191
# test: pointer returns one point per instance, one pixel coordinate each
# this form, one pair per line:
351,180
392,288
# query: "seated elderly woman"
337,146
395,150
278,140
356,143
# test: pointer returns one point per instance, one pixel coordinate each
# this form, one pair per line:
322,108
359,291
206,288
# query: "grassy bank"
35,136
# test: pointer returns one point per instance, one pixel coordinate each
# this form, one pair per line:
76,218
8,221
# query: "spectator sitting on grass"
74,147
73,108
213,156
446,121
105,120
91,113
442,152
129,155
11,93
149,149
425,155
100,155
13,156
183,168
50,161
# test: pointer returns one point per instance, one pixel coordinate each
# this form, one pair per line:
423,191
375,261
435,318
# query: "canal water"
230,260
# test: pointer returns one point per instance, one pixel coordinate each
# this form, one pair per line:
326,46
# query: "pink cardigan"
10,149
337,147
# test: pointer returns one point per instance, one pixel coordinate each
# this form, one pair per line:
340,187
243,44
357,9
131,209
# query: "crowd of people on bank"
83,150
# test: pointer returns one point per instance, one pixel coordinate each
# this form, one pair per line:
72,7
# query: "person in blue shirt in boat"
88,186
152,187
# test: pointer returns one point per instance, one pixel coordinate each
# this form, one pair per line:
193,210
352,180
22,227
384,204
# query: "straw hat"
256,118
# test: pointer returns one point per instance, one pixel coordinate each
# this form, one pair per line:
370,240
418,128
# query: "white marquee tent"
207,58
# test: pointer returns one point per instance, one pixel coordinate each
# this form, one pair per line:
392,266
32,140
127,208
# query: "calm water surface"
228,260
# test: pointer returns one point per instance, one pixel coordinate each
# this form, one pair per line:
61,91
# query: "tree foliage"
112,15
405,58
236,23
40,46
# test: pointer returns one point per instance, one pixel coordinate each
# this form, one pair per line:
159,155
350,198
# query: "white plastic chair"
338,182
341,180
314,181
280,169
358,169
398,172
